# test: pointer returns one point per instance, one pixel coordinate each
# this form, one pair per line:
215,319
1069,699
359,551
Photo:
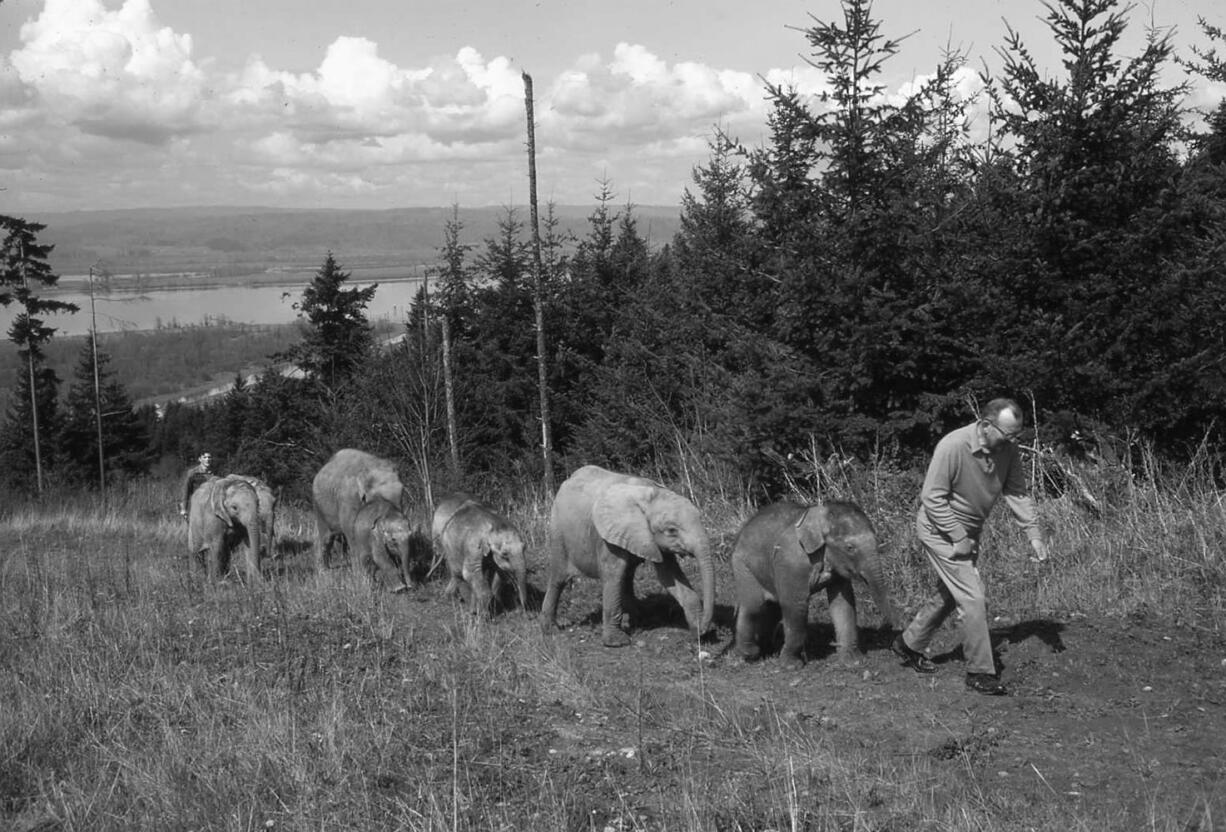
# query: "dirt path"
1106,720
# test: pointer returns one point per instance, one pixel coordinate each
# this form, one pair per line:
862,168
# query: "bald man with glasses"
970,469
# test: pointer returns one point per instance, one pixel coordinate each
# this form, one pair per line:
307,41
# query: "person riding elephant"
480,547
268,512
385,542
224,518
604,525
787,552
346,482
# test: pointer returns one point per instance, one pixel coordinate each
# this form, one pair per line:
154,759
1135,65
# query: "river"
117,311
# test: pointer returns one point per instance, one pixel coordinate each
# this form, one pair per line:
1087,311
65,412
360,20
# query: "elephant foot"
792,662
616,638
850,657
749,652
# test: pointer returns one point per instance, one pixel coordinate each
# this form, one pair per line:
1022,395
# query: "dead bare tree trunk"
449,394
538,292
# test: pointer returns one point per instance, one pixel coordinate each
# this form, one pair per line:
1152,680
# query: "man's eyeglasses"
1008,436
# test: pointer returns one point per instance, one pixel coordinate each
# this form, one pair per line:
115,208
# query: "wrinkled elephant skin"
605,525
481,548
268,512
346,482
223,518
385,542
785,553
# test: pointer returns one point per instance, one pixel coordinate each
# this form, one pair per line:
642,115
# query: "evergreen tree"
1087,196
852,205
125,442
337,339
26,445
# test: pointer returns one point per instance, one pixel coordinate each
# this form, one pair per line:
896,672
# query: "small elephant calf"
787,552
384,540
480,547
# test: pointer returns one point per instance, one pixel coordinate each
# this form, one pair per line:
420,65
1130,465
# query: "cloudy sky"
389,103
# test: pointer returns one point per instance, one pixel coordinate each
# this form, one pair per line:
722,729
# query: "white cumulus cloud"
114,73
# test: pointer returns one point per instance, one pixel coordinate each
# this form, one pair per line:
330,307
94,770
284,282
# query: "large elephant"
384,541
481,548
268,514
223,517
784,554
604,525
346,482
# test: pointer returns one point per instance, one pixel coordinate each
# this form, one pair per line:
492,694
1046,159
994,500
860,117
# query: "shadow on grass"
1044,630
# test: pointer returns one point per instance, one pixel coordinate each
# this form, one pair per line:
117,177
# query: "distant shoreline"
191,281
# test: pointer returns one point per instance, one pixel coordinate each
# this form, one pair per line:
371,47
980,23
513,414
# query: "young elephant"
481,547
348,481
604,525
267,510
784,554
384,541
223,516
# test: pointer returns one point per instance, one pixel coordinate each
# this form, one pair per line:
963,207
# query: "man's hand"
964,548
1040,551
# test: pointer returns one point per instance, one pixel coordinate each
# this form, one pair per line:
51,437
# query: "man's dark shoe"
985,683
912,658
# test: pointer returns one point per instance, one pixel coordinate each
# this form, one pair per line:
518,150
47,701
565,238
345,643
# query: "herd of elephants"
602,525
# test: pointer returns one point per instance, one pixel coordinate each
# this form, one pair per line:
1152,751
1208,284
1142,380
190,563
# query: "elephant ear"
811,529
620,520
218,501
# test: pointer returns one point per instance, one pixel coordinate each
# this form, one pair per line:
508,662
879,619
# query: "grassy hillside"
137,696
236,241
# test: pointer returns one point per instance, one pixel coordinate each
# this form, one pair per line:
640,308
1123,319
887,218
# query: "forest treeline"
854,285
163,361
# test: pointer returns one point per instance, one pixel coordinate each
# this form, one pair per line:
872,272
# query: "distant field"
169,362
244,241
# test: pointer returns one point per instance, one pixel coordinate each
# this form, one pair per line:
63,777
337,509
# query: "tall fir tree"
337,338
125,442
27,444
1085,220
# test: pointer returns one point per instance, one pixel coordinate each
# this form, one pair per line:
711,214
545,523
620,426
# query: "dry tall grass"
135,695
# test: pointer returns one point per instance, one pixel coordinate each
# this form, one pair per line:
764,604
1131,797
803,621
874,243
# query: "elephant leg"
629,602
674,581
614,579
215,559
252,562
383,563
842,599
481,595
794,606
556,579
750,600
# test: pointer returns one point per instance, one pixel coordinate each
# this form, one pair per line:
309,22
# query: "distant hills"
237,241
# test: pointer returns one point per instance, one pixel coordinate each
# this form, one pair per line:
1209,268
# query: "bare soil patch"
1114,724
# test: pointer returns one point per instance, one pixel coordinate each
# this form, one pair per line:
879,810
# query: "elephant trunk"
418,556
706,574
871,573
254,539
521,585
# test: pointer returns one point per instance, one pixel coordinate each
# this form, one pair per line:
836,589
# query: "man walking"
970,468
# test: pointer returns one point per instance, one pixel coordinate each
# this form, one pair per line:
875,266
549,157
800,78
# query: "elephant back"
348,480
